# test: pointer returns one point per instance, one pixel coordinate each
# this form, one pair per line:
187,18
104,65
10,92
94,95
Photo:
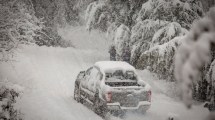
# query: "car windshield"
119,74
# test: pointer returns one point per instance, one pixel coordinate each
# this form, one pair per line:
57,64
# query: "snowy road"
48,76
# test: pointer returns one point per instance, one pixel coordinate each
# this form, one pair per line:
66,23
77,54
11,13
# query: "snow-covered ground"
48,74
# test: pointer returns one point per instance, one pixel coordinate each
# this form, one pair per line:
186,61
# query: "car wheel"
96,105
98,108
76,93
80,99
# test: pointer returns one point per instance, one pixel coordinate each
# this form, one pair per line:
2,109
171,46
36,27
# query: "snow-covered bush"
192,56
8,95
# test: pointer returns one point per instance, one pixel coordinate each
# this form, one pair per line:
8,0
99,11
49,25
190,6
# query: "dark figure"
126,55
112,52
203,90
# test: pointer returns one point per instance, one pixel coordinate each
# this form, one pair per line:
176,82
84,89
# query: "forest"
148,32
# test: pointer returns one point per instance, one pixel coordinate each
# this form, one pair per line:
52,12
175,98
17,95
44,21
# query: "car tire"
80,99
97,108
76,93
96,105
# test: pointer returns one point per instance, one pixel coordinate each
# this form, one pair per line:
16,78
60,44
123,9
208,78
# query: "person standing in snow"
112,52
126,55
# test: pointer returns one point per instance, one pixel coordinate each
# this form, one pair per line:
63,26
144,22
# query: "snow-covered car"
113,86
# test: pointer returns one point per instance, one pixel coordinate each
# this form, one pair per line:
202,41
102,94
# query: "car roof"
110,66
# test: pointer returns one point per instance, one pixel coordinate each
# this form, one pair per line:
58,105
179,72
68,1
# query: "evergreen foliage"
17,26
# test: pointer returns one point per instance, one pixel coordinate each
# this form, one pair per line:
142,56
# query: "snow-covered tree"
157,23
160,58
95,15
149,33
121,41
192,56
141,36
167,33
182,12
101,14
17,26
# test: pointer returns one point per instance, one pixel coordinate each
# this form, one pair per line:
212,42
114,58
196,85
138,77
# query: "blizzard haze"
86,40
169,44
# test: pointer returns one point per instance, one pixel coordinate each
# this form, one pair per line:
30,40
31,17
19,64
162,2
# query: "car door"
92,80
98,81
86,78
